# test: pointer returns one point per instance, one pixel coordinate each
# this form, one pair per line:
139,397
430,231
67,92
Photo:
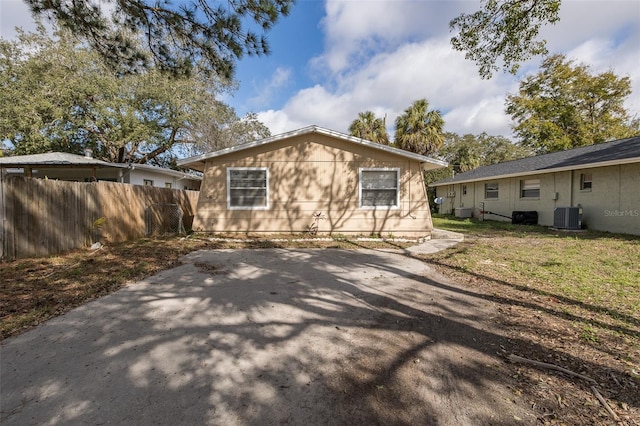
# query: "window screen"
530,188
379,188
247,188
491,190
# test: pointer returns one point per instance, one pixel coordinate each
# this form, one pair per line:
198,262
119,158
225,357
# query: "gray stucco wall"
612,204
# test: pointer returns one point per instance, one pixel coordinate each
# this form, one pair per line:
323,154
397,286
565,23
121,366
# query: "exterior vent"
567,218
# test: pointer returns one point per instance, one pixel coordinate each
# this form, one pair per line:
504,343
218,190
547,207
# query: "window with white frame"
586,181
530,188
247,188
491,190
147,182
167,184
379,188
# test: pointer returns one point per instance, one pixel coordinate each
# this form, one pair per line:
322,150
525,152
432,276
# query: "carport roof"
67,160
620,151
54,159
198,162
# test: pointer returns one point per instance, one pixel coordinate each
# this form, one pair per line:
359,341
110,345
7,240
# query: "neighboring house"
602,182
277,184
71,167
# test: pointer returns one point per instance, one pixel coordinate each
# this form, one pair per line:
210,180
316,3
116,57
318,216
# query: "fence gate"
163,219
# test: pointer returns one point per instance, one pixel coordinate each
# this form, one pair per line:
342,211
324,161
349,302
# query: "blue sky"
333,59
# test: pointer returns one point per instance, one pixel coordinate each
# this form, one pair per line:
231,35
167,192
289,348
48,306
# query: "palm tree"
419,130
368,127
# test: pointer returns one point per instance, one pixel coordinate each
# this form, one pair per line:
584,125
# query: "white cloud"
279,79
279,122
390,82
351,35
356,29
623,60
605,35
383,55
484,115
314,105
582,20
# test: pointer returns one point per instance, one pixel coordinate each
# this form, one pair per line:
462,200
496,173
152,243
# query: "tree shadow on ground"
632,322
254,337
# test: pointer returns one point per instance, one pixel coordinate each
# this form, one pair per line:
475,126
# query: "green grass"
475,227
597,269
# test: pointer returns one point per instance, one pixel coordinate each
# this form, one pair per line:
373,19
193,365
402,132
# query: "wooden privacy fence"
43,217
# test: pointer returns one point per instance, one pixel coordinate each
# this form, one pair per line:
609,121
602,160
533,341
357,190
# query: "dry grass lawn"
35,290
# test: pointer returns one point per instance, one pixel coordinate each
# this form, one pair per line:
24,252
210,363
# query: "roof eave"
198,162
542,171
97,165
164,171
433,165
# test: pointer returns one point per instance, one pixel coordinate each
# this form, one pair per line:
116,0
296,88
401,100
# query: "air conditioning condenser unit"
567,218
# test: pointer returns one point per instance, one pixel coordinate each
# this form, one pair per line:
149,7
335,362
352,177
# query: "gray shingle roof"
53,158
607,153
64,159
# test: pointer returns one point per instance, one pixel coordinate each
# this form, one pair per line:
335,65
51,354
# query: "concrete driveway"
259,337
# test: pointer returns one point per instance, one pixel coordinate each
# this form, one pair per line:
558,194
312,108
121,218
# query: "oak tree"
467,152
565,106
58,95
503,32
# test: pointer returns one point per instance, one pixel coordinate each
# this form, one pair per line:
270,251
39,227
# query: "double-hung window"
379,188
586,182
491,190
530,188
248,188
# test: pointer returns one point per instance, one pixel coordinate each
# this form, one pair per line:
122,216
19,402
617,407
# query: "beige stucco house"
600,182
276,185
